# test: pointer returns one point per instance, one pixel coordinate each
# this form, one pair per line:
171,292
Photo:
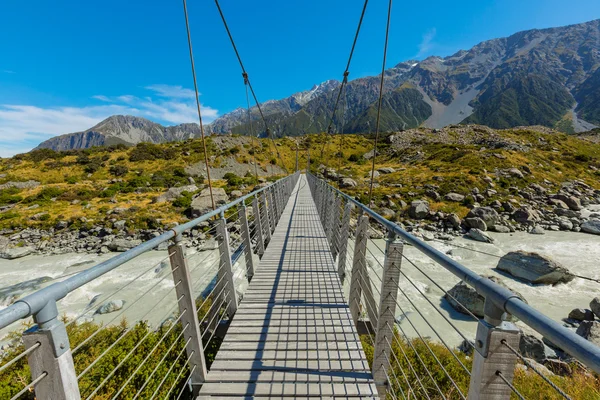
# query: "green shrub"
44,154
118,170
151,151
71,180
5,216
9,196
185,201
232,179
45,195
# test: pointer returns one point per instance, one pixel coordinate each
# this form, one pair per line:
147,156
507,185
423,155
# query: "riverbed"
146,287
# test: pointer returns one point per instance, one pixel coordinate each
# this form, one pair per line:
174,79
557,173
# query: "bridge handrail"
36,302
569,341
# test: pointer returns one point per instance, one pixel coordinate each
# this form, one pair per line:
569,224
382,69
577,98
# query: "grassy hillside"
84,187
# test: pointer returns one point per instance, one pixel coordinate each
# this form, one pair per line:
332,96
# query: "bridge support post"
358,264
343,241
272,209
258,227
246,238
189,314
387,313
51,361
492,360
267,222
335,237
225,274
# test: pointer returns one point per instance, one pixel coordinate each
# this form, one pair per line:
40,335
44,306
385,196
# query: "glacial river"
151,296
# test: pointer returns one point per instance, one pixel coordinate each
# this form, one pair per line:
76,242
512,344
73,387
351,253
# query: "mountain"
123,129
535,77
547,77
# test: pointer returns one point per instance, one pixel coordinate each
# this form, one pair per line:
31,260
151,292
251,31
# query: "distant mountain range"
547,77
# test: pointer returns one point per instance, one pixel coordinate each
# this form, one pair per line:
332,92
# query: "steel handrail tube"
35,302
577,346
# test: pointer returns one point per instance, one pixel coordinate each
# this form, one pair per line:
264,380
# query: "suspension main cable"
246,78
345,80
189,37
387,34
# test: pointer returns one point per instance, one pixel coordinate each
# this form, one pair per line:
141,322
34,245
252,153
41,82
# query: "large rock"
111,306
534,268
487,214
386,170
571,201
581,314
479,235
16,252
419,209
591,226
20,185
454,197
461,293
526,215
175,193
533,347
595,306
347,183
476,223
203,203
123,244
590,330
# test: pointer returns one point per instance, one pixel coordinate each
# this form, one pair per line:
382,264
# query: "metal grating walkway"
293,334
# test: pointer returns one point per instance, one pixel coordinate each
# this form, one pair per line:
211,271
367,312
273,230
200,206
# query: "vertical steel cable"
387,35
189,37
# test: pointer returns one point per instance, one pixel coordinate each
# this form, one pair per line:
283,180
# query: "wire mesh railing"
424,340
153,334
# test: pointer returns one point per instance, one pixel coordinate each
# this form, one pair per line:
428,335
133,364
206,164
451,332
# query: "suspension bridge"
321,309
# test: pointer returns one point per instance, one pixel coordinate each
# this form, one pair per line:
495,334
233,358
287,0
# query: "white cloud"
22,127
8,71
426,43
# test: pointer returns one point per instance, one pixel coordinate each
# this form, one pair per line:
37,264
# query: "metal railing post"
188,313
335,237
267,221
226,271
246,239
329,218
272,210
492,360
384,333
359,259
344,235
51,361
258,227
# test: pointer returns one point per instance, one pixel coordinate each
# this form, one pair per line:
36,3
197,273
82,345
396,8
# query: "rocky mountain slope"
539,77
548,77
122,129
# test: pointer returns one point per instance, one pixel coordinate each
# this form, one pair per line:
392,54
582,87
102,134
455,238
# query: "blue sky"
66,65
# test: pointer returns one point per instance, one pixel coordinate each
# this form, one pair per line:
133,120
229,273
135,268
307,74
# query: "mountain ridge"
545,76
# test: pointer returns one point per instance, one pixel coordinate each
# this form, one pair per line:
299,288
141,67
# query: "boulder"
526,215
581,314
479,235
120,225
501,228
453,220
591,226
111,306
537,230
454,197
516,173
347,183
487,214
461,293
386,170
476,223
203,203
16,252
532,347
175,192
123,244
236,193
565,225
386,213
595,306
419,209
558,367
534,268
571,201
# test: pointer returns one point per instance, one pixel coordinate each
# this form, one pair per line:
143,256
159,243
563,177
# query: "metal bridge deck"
293,334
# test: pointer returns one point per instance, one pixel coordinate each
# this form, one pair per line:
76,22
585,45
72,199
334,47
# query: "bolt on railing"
395,345
47,346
